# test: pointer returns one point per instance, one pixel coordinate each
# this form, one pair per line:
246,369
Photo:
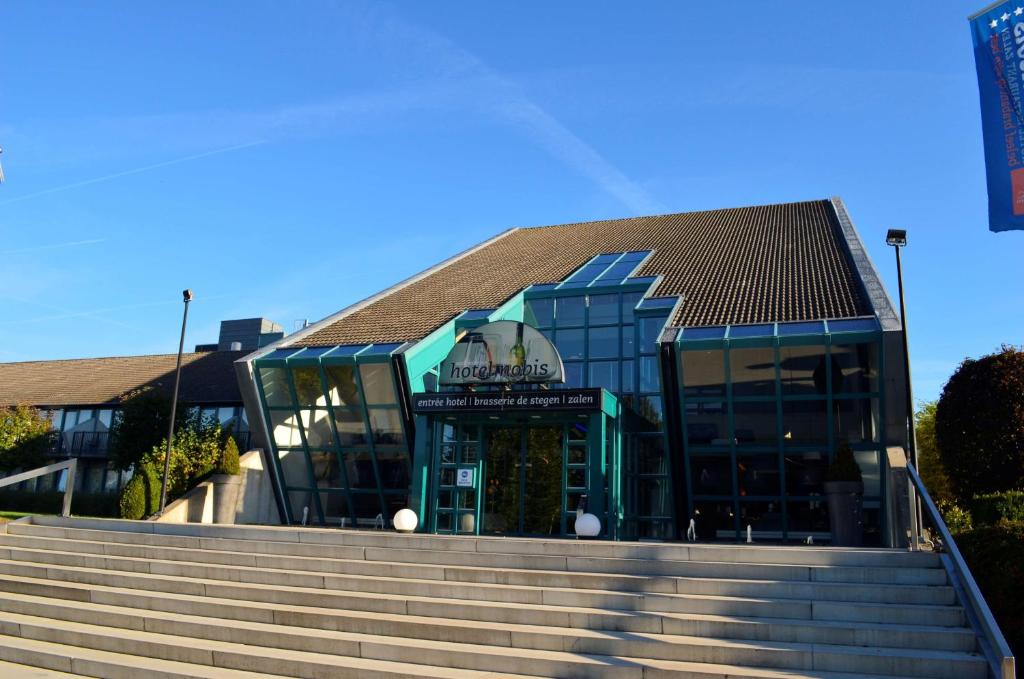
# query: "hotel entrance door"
523,482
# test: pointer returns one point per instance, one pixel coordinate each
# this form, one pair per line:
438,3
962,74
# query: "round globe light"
588,526
405,521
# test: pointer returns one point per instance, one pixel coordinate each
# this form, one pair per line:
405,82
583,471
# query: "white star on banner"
1018,11
993,24
1005,16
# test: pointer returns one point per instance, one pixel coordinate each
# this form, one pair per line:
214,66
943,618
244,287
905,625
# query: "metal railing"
69,484
990,637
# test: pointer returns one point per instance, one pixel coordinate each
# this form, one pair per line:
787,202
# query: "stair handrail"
69,485
993,643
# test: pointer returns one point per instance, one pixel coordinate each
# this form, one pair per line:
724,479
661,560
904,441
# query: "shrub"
930,466
133,498
25,438
228,463
956,517
989,508
995,555
979,424
844,467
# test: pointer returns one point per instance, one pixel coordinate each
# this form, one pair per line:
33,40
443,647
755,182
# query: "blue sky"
287,159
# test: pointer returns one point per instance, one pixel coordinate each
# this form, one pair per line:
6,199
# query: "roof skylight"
610,268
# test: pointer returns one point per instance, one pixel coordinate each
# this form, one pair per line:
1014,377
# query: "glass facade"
764,409
337,433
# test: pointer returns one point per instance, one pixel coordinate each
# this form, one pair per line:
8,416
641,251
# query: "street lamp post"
187,296
897,238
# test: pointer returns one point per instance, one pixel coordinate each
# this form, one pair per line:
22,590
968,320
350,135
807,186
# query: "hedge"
995,555
991,508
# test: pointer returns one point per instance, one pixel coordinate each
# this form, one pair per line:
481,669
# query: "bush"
979,424
956,517
228,463
989,509
133,498
995,555
26,438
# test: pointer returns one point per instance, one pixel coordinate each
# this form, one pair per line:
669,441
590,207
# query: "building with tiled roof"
81,396
702,367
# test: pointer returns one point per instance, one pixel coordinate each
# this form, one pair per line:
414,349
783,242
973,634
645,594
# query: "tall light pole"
187,295
897,238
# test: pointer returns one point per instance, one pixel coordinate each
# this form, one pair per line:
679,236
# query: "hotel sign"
460,402
502,352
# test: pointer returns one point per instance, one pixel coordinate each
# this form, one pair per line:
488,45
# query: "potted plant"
226,483
844,491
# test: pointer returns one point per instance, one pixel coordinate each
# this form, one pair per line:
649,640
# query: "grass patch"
11,516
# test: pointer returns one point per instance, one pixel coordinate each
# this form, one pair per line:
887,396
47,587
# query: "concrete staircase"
112,598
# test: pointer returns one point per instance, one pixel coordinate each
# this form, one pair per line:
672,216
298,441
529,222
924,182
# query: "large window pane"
804,423
704,373
318,429
573,375
650,410
275,387
650,374
648,330
285,424
326,469
604,309
807,517
805,473
335,507
628,377
707,424
854,421
714,520
650,455
378,383
653,497
711,475
763,516
858,368
351,430
628,343
386,424
802,370
394,468
303,507
867,460
604,342
754,423
629,302
308,389
341,385
604,374
294,468
569,344
752,371
539,313
758,474
569,311
359,467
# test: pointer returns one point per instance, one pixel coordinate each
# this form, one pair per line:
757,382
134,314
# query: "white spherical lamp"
405,521
588,526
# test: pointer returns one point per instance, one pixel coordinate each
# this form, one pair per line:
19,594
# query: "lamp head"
896,237
187,295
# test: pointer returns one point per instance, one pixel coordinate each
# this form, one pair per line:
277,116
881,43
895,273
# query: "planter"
846,512
225,496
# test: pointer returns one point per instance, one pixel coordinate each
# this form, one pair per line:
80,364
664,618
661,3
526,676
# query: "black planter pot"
846,512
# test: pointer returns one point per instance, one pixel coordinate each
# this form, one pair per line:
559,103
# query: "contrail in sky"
55,246
137,170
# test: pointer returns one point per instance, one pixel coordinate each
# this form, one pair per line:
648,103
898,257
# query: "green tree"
139,424
979,424
932,469
26,438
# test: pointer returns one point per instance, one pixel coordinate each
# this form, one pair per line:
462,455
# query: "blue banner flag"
998,33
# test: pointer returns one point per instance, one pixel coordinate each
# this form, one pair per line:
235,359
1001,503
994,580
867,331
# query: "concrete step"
312,589
499,634
292,570
202,640
792,555
10,670
260,553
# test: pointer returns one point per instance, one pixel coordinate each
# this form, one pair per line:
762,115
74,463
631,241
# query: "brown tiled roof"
205,378
743,265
